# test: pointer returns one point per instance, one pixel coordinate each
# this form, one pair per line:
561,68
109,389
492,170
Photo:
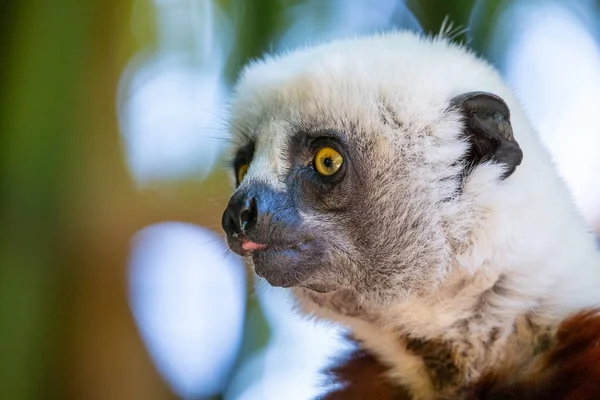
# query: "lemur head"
371,164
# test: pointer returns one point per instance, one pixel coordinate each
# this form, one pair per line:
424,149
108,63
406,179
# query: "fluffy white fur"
523,230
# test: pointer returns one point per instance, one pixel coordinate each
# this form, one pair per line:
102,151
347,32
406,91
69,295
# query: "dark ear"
488,130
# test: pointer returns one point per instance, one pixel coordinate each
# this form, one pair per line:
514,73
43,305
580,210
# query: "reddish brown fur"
578,355
568,370
362,377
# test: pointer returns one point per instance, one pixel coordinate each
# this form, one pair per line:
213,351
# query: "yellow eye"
241,172
328,161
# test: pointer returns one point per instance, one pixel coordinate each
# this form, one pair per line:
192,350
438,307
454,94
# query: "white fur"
525,228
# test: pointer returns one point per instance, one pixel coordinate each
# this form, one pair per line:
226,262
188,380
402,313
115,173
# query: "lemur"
396,186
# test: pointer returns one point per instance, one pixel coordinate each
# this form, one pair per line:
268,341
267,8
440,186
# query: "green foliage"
42,58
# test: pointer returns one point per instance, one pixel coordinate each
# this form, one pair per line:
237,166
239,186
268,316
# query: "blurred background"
115,282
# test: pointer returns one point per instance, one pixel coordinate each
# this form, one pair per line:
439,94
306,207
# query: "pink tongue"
249,246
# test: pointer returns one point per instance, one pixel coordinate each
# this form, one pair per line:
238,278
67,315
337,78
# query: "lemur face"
298,209
348,181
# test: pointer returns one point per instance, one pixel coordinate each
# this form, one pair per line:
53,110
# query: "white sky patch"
554,65
188,300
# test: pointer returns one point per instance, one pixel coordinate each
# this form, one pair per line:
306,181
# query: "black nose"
240,215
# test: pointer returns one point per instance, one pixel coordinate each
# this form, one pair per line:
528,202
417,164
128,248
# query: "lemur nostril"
240,215
248,215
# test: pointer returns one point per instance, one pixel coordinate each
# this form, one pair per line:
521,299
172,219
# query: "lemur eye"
241,172
328,161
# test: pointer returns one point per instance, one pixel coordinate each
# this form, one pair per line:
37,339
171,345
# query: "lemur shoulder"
396,185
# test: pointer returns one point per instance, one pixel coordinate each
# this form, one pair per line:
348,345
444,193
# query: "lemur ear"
488,130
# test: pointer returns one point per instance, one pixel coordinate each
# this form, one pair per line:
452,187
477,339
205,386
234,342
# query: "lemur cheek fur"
395,184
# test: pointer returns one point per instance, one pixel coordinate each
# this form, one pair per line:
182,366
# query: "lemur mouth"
250,246
282,261
245,247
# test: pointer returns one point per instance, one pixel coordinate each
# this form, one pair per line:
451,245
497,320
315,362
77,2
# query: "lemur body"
446,241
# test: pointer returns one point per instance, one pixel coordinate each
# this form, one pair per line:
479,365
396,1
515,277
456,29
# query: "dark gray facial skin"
296,248
290,249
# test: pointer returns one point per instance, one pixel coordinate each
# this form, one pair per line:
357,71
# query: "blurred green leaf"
42,59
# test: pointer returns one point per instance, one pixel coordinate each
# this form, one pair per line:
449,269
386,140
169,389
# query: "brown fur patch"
568,370
576,358
437,356
362,377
